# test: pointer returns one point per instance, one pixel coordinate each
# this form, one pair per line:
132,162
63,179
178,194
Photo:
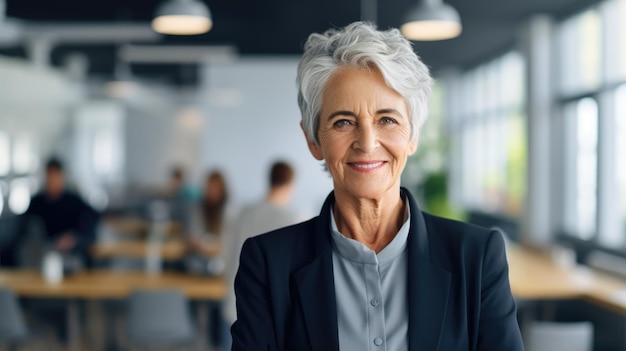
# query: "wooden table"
535,276
127,225
139,227
171,250
103,284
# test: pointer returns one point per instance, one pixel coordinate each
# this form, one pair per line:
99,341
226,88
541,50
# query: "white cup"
52,267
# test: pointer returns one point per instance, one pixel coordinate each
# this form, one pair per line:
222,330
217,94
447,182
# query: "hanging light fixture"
123,85
431,20
182,17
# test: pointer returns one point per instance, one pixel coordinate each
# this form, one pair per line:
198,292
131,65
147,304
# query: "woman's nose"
366,139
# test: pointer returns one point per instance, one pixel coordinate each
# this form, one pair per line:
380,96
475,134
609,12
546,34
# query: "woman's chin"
368,190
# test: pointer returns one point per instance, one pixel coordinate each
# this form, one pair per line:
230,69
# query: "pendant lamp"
431,20
182,17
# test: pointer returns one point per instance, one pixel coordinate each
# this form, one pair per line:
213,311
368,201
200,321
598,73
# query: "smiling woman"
364,135
372,271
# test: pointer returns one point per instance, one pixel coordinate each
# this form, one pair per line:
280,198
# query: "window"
426,169
489,134
612,219
592,63
2,192
5,159
614,28
580,49
24,160
19,196
619,154
581,167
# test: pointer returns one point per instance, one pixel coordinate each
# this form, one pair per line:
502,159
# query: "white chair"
557,336
159,319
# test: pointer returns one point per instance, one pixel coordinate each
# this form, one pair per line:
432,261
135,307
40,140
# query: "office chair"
33,243
12,327
159,319
551,336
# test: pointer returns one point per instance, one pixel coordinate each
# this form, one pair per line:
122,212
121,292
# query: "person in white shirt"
272,212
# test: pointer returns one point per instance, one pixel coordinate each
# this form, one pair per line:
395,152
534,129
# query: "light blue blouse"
371,292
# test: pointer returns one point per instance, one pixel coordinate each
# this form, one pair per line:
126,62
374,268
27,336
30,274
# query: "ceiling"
279,27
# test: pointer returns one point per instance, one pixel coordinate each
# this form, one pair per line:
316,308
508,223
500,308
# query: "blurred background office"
526,132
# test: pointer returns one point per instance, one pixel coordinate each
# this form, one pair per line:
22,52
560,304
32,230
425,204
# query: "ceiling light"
123,85
182,17
431,20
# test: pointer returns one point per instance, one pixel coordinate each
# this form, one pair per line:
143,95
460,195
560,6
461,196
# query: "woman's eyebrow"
340,113
389,110
350,113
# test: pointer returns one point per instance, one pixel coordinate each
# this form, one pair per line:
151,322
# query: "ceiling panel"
280,27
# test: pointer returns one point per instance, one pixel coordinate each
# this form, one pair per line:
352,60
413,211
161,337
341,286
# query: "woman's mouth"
366,166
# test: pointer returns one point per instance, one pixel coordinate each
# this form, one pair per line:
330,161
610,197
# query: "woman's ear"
315,149
413,145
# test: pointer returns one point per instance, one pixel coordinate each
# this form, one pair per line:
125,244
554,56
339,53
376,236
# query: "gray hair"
361,45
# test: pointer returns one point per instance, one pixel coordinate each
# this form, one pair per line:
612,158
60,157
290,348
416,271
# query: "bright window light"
19,196
1,197
586,166
23,154
620,151
5,155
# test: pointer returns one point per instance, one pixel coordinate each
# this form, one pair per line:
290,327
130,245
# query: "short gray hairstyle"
361,45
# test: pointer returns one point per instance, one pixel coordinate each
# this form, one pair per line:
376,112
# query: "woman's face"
364,133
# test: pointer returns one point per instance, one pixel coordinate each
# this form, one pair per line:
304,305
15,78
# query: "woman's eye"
387,120
341,123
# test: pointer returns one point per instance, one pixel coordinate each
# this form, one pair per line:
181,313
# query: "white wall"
34,105
251,119
243,117
163,129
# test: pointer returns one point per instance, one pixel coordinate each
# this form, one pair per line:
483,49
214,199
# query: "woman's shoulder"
289,248
288,234
459,234
453,224
459,246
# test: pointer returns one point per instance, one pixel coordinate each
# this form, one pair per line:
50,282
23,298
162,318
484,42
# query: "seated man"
69,223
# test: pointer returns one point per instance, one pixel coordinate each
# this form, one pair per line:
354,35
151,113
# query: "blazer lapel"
316,288
429,286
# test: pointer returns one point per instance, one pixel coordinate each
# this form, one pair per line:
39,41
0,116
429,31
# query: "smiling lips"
366,166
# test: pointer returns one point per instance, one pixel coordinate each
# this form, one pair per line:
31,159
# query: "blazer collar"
429,285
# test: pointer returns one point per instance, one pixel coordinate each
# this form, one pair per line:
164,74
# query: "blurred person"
272,212
208,224
179,200
213,203
177,181
372,271
208,228
69,223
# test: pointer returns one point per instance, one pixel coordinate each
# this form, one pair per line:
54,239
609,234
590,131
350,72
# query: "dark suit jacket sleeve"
498,329
254,328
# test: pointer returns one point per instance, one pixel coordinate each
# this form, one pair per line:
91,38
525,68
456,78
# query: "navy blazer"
459,293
